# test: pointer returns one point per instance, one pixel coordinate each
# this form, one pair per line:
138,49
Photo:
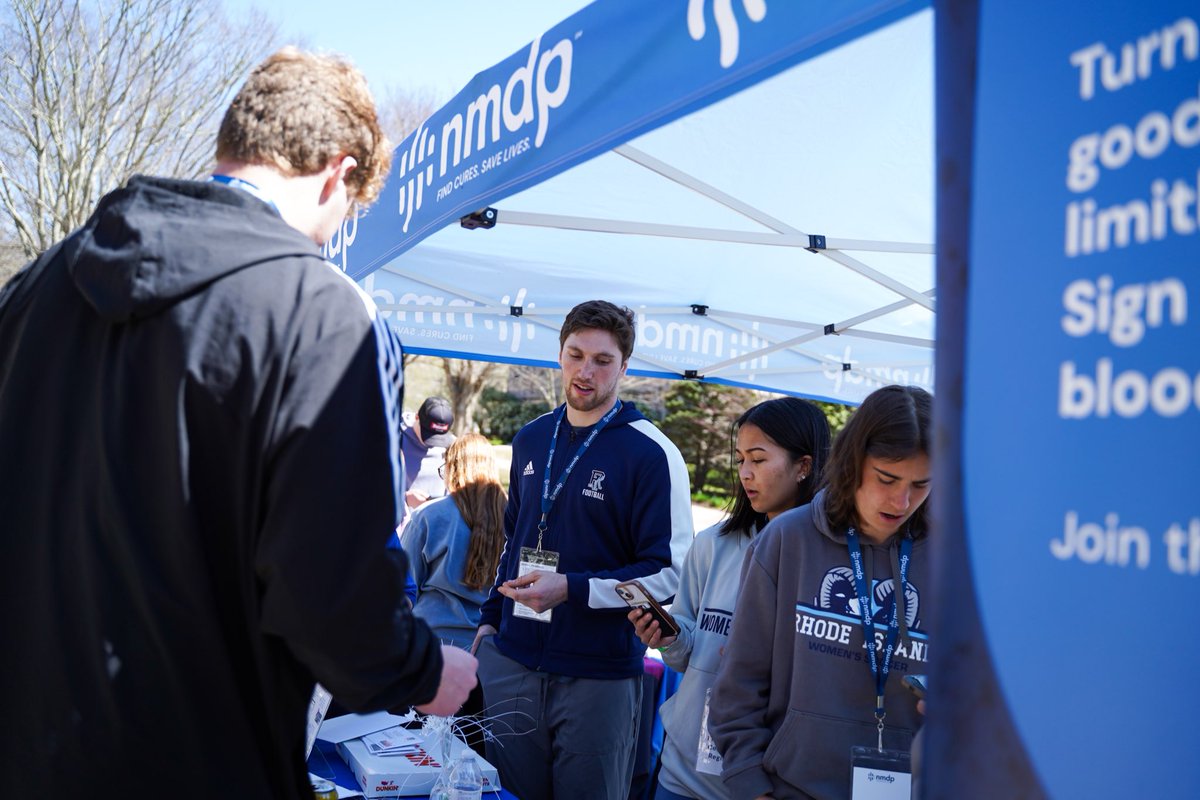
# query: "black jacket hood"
141,250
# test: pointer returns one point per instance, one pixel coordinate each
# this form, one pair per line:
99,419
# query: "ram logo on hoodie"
832,619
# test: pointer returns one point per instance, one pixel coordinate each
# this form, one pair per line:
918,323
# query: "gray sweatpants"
557,736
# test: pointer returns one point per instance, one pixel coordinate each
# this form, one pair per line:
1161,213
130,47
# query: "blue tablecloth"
660,683
326,763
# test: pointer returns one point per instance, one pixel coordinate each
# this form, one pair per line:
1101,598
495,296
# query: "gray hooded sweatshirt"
794,691
703,607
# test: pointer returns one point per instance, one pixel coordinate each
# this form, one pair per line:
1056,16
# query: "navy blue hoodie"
624,513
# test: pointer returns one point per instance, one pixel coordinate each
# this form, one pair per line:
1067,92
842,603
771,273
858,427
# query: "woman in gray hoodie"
798,686
779,449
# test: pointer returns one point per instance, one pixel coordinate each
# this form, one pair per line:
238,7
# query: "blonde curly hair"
298,111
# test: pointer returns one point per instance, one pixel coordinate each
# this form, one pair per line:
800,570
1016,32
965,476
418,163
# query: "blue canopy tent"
754,181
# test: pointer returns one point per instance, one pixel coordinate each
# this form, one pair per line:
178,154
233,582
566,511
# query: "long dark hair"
797,426
893,423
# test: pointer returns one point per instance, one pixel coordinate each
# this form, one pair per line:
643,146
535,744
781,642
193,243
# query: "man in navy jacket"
597,496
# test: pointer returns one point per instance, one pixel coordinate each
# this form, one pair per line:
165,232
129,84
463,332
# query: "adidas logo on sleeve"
528,469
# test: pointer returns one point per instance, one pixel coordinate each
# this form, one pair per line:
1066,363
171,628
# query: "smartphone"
636,596
917,684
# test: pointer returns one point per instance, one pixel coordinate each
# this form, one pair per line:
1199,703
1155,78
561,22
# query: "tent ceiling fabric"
702,227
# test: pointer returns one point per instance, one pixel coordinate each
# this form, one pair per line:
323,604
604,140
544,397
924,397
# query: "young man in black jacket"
200,469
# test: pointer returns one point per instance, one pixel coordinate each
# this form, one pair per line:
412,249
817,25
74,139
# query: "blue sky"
437,45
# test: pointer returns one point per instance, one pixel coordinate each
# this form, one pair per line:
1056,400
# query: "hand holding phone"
636,596
917,684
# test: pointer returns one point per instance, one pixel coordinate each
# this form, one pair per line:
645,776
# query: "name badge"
880,774
708,758
534,560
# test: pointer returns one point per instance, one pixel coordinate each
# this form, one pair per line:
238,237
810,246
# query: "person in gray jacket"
779,449
785,724
453,543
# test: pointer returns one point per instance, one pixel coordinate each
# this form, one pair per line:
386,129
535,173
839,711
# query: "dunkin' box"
410,769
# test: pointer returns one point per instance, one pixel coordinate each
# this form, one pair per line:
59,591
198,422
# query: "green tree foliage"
699,420
836,414
500,414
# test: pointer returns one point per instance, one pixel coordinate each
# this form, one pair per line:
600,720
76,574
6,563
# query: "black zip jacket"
199,454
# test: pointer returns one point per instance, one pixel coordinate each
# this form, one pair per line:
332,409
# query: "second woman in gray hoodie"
795,690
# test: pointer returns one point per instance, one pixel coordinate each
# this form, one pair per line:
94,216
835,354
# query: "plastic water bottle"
466,780
441,788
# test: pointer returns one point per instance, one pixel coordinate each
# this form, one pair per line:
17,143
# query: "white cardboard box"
412,774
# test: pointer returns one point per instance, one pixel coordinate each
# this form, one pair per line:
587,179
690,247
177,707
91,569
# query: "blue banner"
1080,461
614,70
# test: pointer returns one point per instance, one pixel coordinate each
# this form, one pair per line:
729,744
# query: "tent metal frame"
781,235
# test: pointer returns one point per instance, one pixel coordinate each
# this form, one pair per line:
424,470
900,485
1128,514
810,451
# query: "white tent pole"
838,328
915,365
871,379
881,247
662,365
851,332
682,178
728,321
486,307
877,276
888,337
728,314
531,315
724,313
445,287
595,225
785,344
681,310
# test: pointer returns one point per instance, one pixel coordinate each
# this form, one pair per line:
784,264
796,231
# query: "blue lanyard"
878,671
549,497
245,186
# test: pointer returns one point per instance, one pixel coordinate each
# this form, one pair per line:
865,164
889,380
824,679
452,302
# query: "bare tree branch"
464,381
95,91
402,110
543,382
11,260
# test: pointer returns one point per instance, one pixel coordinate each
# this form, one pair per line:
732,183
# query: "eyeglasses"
442,472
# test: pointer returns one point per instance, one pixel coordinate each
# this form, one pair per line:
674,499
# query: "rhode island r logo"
595,486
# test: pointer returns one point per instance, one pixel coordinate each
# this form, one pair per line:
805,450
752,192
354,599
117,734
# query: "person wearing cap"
423,445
